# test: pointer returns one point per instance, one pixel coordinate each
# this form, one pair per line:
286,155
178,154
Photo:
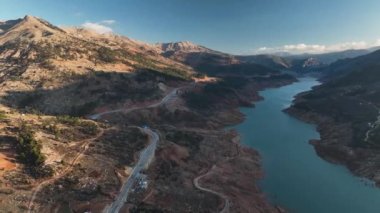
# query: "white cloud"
377,43
108,22
317,48
97,27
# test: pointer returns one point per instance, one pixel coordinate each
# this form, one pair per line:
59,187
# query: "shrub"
2,115
89,127
66,119
28,148
106,55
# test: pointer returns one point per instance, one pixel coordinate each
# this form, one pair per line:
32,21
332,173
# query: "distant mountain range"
196,55
211,62
328,58
305,62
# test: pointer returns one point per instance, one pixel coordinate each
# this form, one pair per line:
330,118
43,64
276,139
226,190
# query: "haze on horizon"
240,27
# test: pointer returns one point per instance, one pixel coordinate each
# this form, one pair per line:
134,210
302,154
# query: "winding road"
170,96
227,202
146,157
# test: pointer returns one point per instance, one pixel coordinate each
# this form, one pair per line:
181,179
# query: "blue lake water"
295,177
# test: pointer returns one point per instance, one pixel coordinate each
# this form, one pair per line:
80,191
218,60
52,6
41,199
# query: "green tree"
28,148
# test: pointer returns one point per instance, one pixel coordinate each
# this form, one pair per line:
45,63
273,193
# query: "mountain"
184,46
29,29
72,106
37,57
202,58
212,62
304,62
345,66
205,59
346,108
6,25
271,61
301,64
195,55
78,46
328,58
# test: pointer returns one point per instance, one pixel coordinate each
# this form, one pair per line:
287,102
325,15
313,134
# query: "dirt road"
227,202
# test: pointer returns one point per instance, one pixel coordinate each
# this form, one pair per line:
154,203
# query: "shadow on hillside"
221,65
86,92
7,150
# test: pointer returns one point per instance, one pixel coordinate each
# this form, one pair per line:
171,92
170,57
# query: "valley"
295,176
346,111
77,108
99,122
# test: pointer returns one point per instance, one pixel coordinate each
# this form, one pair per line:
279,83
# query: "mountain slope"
346,109
36,38
52,79
41,66
328,58
271,61
213,62
184,46
304,62
345,66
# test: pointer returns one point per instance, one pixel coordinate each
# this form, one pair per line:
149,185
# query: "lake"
295,177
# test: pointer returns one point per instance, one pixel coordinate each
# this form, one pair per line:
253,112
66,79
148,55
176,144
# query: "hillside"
300,65
44,64
331,57
304,62
271,61
346,109
212,62
65,48
344,66
72,104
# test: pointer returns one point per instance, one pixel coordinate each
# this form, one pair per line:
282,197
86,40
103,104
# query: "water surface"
295,177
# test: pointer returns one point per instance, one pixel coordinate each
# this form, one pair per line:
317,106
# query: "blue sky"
235,26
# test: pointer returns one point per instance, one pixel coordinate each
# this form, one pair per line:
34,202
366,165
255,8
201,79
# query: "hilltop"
66,48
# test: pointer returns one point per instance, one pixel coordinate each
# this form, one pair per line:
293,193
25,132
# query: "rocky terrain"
54,158
346,109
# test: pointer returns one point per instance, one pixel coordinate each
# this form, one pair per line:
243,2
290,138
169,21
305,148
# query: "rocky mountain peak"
29,18
183,46
28,28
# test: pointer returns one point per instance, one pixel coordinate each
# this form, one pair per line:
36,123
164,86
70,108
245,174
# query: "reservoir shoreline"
295,176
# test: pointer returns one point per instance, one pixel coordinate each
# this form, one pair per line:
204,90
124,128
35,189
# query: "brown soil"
7,161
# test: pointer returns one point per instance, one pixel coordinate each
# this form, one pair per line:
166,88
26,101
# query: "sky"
232,26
